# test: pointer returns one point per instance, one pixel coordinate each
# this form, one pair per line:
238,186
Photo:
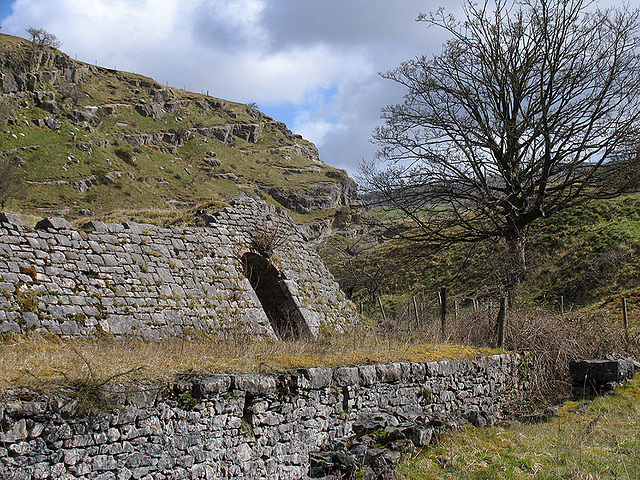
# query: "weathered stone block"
10,219
591,377
204,386
254,384
316,377
344,376
53,223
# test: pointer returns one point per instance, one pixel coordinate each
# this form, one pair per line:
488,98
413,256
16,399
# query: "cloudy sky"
312,64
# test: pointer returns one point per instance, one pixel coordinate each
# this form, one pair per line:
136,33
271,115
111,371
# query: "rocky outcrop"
318,196
226,133
152,111
175,139
86,116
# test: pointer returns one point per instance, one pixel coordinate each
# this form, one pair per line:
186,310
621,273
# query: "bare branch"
532,107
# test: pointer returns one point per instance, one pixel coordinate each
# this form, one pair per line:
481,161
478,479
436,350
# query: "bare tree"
41,38
532,107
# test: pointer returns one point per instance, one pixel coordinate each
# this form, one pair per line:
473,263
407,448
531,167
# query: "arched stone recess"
278,297
149,282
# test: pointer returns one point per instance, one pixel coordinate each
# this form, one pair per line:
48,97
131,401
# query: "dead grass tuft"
50,362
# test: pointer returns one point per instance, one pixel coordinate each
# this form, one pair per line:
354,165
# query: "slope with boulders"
92,140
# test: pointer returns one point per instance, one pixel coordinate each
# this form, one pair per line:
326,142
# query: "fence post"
443,311
384,316
502,316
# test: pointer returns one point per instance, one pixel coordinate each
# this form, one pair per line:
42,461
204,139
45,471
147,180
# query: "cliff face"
90,140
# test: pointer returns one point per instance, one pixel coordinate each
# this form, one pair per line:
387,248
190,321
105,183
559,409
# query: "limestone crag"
250,426
112,116
318,197
151,282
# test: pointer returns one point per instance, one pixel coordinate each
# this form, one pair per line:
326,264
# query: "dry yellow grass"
48,361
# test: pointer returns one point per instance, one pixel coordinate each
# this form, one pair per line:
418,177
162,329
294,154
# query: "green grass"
599,440
583,255
51,156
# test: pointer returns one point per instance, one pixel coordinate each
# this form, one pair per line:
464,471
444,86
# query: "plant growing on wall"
267,236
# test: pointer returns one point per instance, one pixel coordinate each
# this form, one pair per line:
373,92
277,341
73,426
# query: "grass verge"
586,440
49,362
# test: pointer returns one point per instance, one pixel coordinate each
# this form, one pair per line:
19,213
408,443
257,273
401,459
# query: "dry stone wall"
240,426
149,282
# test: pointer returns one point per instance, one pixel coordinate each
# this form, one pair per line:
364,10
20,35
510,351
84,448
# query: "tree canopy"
40,37
532,107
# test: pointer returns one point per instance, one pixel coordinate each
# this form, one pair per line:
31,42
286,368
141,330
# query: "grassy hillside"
582,255
87,137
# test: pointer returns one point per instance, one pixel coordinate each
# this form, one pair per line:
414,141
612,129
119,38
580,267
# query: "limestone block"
346,376
205,386
10,219
368,374
255,384
389,372
17,433
315,377
53,223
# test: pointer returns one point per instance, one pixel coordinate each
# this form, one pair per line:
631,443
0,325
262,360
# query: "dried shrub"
268,236
546,340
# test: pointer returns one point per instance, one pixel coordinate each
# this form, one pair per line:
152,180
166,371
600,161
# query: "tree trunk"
516,268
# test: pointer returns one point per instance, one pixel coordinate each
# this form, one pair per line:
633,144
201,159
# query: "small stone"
11,219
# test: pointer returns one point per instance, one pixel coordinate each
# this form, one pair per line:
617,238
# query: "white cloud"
321,56
315,129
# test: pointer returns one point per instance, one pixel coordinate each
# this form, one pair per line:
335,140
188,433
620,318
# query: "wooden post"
415,310
502,316
443,311
625,318
384,316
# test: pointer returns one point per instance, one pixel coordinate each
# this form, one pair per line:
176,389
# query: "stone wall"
238,426
150,282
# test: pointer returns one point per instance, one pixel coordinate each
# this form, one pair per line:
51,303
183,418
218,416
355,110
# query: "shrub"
125,155
267,237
